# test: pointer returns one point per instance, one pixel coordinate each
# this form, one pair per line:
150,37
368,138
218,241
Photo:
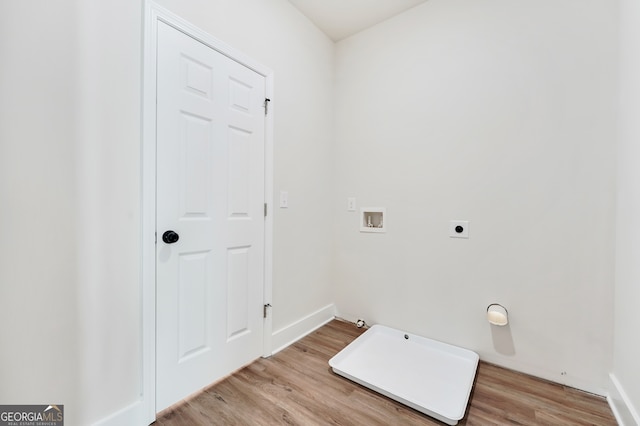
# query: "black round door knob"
170,237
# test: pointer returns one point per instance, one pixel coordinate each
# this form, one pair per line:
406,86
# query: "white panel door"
210,192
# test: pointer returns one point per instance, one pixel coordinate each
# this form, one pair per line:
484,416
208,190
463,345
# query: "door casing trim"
153,13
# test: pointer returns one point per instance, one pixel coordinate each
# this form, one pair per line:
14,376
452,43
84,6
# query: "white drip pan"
432,377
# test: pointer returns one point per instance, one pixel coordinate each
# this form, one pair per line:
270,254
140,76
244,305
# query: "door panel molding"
153,14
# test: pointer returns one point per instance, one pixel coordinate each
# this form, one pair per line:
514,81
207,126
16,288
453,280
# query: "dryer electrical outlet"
459,229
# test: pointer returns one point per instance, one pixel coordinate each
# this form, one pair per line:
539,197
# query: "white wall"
500,113
70,174
108,119
38,287
626,374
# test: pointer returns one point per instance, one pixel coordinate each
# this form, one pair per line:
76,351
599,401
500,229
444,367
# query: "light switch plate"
284,199
351,204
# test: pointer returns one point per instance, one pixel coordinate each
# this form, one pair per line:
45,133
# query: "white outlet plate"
454,230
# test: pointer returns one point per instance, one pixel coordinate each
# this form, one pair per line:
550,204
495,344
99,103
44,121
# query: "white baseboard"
542,373
133,414
624,411
296,331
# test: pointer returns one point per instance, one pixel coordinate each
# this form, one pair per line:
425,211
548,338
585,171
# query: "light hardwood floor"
297,387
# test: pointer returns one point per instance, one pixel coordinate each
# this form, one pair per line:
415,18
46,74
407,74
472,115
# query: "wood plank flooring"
297,387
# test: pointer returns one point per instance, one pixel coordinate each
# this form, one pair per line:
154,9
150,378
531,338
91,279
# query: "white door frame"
154,13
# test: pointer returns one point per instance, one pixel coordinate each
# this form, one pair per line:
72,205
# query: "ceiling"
339,19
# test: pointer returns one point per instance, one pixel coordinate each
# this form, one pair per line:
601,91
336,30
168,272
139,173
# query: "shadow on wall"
503,339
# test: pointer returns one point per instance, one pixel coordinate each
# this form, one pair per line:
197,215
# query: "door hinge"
265,209
264,310
266,105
